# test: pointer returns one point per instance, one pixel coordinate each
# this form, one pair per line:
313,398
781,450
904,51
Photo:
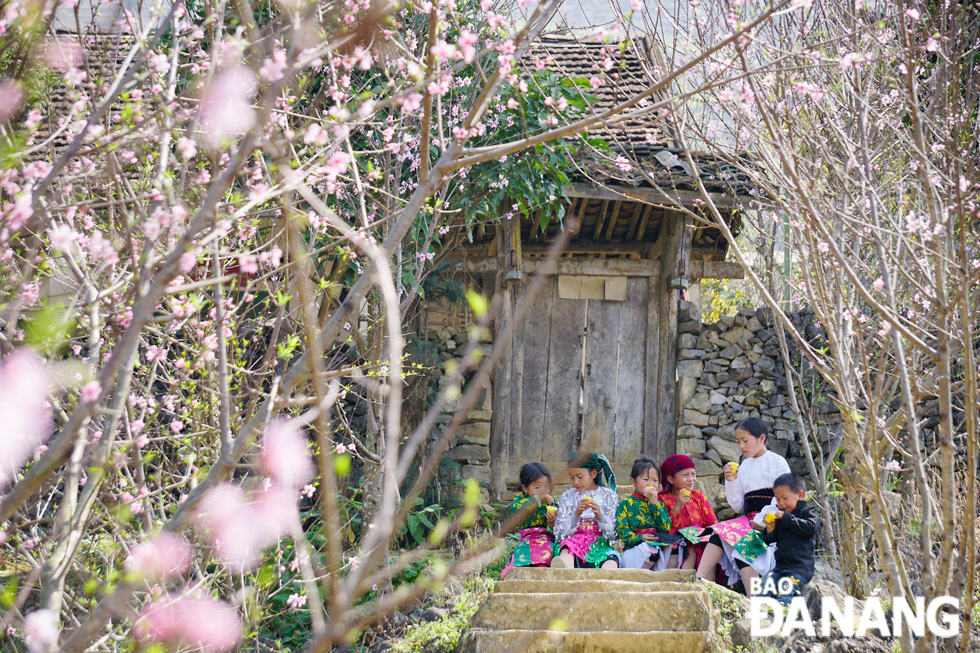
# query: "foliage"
444,634
723,297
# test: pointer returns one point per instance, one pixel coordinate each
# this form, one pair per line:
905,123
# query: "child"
686,506
537,542
793,527
748,488
640,518
586,515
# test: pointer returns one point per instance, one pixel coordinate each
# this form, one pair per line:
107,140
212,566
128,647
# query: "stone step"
630,575
540,641
622,611
517,586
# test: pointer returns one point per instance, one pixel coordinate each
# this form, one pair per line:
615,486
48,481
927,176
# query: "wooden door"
583,373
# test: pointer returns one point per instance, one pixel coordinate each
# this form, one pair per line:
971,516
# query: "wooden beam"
714,270
599,221
612,220
620,267
638,210
668,198
641,230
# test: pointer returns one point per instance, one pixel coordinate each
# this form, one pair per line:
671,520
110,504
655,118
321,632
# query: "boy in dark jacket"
793,527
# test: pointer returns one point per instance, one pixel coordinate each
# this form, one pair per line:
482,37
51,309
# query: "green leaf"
478,302
9,593
342,464
48,327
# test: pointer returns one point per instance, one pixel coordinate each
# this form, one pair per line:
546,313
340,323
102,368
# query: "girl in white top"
587,515
748,488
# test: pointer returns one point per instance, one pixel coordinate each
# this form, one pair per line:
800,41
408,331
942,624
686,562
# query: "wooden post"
676,237
651,394
500,419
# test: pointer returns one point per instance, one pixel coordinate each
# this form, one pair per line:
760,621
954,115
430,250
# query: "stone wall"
469,454
728,371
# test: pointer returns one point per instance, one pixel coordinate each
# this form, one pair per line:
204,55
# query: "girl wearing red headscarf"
687,506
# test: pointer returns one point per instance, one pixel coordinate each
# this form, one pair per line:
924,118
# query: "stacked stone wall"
728,371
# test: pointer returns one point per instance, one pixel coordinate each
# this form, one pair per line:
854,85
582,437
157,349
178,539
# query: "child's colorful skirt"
635,557
742,543
588,545
536,549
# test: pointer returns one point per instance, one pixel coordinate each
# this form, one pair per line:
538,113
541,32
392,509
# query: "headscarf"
598,462
676,463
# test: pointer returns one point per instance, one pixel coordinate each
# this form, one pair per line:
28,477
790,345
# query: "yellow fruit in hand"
685,493
770,518
649,489
734,467
552,508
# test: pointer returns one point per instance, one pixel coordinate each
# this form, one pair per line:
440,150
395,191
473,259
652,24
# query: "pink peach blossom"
42,627
202,623
162,558
285,456
24,384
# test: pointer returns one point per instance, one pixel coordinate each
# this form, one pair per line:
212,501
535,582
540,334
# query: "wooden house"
594,364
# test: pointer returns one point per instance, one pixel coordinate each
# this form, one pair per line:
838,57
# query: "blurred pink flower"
272,69
24,384
91,391
274,514
62,236
230,523
285,456
10,98
164,557
197,622
248,264
186,148
225,109
187,261
296,601
42,627
62,54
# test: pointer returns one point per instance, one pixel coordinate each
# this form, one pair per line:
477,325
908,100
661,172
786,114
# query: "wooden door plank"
534,393
630,371
500,416
518,443
652,355
560,429
599,383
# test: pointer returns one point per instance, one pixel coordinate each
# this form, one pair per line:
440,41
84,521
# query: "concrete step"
608,611
517,586
539,641
630,575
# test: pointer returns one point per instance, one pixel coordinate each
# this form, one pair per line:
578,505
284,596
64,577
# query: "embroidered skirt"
536,549
636,556
588,545
743,543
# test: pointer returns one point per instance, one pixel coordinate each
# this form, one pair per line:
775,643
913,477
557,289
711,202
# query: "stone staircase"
595,611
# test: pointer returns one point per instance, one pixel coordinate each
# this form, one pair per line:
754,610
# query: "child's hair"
532,472
753,425
641,465
790,481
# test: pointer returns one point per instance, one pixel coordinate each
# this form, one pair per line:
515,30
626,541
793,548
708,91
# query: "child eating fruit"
586,515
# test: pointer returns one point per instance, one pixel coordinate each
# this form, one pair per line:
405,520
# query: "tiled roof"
646,137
